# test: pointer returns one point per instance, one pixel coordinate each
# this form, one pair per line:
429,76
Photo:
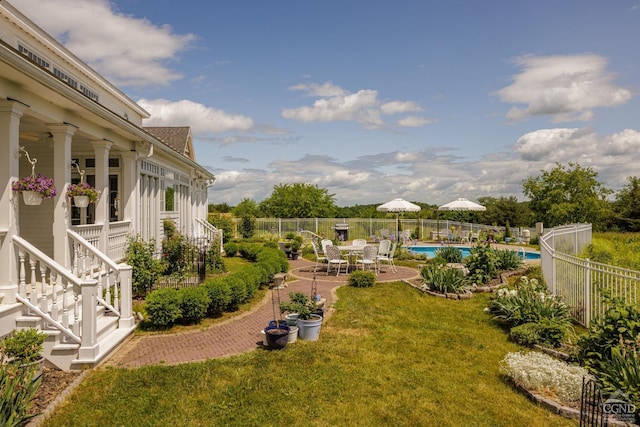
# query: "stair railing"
114,288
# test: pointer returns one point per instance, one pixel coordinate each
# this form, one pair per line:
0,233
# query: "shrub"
163,307
238,291
481,263
619,324
24,346
442,279
623,373
250,251
146,268
231,249
507,259
528,303
299,303
194,303
449,254
247,226
215,263
546,332
219,295
178,253
539,372
362,279
17,388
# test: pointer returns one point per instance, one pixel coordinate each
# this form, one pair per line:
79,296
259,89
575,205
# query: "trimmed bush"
231,249
194,303
546,332
362,279
219,295
163,307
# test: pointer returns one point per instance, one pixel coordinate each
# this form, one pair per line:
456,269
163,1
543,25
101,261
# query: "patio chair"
369,258
320,259
334,258
384,233
405,237
388,258
464,236
359,242
324,243
384,247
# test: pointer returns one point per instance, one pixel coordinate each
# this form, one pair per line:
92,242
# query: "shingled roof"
178,138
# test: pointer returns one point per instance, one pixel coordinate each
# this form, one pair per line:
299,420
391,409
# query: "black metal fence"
189,267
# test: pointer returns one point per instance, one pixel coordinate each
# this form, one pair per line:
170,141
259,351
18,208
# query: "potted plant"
308,321
24,348
34,188
82,194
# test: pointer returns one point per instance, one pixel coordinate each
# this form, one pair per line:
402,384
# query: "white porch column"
10,115
129,197
62,134
101,150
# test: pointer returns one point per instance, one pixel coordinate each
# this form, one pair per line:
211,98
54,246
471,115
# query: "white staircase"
85,313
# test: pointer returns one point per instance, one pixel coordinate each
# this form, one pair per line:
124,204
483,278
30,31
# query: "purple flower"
38,183
82,189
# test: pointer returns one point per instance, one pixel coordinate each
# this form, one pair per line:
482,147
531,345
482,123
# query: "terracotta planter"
31,198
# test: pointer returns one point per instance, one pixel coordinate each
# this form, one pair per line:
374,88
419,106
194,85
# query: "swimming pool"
430,251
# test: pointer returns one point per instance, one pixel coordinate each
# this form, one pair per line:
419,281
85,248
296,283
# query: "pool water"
430,251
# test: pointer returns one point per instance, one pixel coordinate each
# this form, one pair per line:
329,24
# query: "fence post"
587,292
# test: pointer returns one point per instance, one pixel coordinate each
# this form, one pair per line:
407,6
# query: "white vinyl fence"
579,281
370,228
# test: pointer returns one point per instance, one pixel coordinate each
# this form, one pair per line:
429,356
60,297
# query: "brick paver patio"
239,334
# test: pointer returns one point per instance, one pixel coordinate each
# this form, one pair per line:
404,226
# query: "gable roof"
178,138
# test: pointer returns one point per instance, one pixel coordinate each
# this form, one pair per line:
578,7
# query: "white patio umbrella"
460,204
398,205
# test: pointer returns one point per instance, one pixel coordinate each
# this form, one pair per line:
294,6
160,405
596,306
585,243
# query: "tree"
505,209
299,200
247,207
626,207
566,195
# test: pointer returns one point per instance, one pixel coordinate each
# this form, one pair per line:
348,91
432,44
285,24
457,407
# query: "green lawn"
389,356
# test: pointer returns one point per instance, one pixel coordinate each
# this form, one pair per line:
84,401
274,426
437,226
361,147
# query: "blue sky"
372,100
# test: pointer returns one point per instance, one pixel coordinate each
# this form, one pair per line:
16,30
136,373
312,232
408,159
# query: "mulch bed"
54,382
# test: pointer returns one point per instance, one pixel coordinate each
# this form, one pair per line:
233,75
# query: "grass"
620,249
389,355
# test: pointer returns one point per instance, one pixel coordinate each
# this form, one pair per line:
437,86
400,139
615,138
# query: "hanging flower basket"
82,194
31,198
34,188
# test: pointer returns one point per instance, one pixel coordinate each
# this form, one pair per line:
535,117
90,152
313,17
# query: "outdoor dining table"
352,251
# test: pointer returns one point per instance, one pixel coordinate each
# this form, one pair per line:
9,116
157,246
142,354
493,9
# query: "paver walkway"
239,334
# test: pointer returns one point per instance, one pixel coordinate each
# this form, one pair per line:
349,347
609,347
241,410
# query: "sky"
373,100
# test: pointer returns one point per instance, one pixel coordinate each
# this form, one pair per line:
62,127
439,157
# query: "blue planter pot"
277,336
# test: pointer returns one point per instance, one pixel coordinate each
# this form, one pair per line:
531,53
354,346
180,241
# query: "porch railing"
116,241
581,281
113,280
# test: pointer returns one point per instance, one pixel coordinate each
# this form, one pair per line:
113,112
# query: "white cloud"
565,87
337,104
413,121
202,119
395,107
437,176
128,51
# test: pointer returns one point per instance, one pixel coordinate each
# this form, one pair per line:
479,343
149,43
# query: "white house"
60,265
